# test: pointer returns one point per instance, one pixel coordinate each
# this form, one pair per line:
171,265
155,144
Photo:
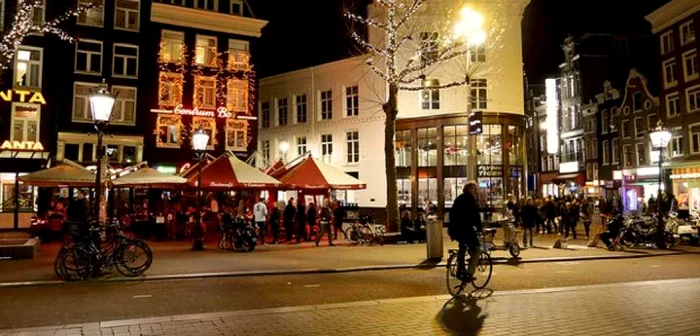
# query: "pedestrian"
260,214
275,218
586,215
301,220
310,221
465,225
570,221
338,218
289,215
529,218
325,217
514,210
79,210
542,218
551,213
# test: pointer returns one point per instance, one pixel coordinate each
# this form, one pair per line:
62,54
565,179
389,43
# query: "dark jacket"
79,210
311,216
465,220
301,214
339,216
529,216
289,213
275,215
550,210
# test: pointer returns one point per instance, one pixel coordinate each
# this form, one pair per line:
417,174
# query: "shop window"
489,146
170,89
88,57
430,98
94,17
124,112
236,135
427,190
300,109
172,44
125,62
282,117
403,145
514,146
352,101
427,147
209,126
27,194
326,147
265,114
327,105
404,191
301,146
81,104
237,95
455,145
205,92
127,14
71,152
168,131
453,187
205,50
25,122
28,67
353,146
491,192
238,55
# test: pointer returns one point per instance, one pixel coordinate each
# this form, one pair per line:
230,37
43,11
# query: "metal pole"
661,242
200,156
15,224
98,176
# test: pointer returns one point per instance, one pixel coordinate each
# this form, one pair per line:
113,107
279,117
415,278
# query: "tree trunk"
392,207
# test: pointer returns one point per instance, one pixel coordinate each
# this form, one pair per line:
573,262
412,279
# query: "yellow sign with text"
23,96
28,146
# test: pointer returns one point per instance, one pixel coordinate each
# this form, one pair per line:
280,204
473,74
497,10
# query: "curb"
496,261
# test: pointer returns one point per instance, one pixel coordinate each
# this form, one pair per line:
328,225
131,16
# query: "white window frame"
127,11
237,126
477,54
326,147
201,103
88,61
167,41
675,98
237,95
239,3
265,116
170,85
352,147
669,67
606,157
180,127
212,61
614,151
676,142
286,111
24,121
431,93
100,8
696,96
624,131
326,98
122,101
690,133
126,60
215,9
639,123
87,116
302,145
644,150
301,102
691,55
687,27
354,98
479,93
667,37
40,62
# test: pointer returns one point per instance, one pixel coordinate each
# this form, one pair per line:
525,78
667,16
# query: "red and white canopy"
229,172
314,174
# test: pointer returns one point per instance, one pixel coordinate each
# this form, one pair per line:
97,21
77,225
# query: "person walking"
338,218
301,220
325,217
275,218
551,213
586,216
570,221
260,214
289,214
310,221
465,227
529,218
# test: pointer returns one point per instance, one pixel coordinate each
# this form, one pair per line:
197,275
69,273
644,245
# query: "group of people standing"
299,220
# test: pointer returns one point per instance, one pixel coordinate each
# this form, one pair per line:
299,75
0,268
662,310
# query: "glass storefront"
27,194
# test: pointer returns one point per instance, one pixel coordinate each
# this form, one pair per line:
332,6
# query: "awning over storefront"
64,174
229,172
314,174
148,178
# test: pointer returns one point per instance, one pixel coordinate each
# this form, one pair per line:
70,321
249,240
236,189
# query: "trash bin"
434,238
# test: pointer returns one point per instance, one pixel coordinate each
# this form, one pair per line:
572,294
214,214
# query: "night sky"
306,33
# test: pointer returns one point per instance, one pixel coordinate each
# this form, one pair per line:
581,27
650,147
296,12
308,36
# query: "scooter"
510,244
683,231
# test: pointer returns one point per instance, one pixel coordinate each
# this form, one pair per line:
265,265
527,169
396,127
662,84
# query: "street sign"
475,119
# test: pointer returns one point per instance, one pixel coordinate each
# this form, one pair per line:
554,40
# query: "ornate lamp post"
200,140
660,137
101,105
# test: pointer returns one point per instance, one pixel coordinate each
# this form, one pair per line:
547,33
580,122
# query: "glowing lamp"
660,137
200,140
101,103
284,146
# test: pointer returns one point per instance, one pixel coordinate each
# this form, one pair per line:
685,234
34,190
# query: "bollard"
433,233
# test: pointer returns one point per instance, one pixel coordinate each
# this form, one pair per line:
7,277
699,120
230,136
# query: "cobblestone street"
637,308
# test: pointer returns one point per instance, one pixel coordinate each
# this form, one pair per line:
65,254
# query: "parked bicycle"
85,254
481,276
364,231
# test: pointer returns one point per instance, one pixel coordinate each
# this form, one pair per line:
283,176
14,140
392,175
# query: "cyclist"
465,227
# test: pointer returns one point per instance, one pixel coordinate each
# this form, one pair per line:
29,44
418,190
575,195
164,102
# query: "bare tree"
415,39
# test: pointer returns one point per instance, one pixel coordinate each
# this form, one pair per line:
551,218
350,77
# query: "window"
352,101
626,131
238,55
605,122
282,117
301,146
430,98
94,17
637,101
81,105
326,147
594,149
28,67
672,105
455,145
25,122
127,14
266,150
693,97
237,135
652,120
39,12
478,53
168,128
427,147
126,60
615,151
403,145
71,152
478,93
236,7
170,89
670,73
265,114
572,86
237,95
403,188
212,5
353,146
208,125
428,47
88,57
694,130
641,155
301,109
453,188
667,42
204,92
2,14
687,33
639,127
326,105
628,154
677,146
171,50
605,153
124,111
205,50
690,65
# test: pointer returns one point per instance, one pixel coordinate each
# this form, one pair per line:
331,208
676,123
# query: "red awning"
314,174
276,170
228,172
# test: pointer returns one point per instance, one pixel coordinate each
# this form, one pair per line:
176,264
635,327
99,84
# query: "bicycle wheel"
75,264
350,235
58,265
482,276
454,285
133,258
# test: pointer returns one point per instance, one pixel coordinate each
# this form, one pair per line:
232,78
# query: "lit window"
212,5
301,146
352,101
430,98
326,147
282,117
25,122
172,43
693,98
127,14
94,17
687,33
170,89
479,96
265,114
237,135
205,52
168,128
88,57
326,105
28,67
239,55
667,42
237,95
301,109
124,111
126,60
669,67
672,105
353,146
205,92
236,7
690,65
209,126
81,105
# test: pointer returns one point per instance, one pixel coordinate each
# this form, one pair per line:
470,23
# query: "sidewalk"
639,308
174,259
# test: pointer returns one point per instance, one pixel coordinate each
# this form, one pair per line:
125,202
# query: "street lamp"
284,147
101,105
660,137
200,140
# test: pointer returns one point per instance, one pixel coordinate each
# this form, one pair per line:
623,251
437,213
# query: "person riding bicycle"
465,227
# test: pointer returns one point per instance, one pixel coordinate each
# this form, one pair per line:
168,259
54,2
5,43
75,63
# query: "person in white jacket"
260,214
